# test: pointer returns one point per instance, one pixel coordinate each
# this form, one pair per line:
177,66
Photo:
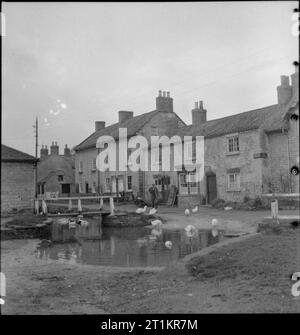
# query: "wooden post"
111,206
101,203
274,211
70,205
79,206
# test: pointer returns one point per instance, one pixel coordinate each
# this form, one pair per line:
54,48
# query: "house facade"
56,173
158,122
247,154
17,179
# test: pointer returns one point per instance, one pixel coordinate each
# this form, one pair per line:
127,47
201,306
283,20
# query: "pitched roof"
9,154
133,125
268,118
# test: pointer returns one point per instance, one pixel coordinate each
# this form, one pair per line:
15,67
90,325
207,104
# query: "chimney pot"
201,104
159,93
168,94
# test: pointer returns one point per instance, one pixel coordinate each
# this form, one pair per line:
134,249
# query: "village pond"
125,247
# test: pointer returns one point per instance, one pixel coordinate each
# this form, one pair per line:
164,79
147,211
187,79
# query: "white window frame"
94,164
234,147
107,185
80,169
235,186
129,178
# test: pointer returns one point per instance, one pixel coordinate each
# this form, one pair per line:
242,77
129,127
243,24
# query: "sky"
71,64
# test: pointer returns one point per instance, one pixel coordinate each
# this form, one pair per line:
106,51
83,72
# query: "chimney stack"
198,114
295,81
44,152
99,125
284,91
67,151
124,116
164,103
54,149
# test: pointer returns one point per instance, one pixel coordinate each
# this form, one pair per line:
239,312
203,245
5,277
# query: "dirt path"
249,276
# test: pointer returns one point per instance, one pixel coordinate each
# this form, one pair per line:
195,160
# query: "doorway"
211,188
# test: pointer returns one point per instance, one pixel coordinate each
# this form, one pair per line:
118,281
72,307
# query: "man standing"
153,190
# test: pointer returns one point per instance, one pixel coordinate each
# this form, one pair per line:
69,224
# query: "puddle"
128,247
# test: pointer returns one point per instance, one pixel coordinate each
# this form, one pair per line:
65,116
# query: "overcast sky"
73,63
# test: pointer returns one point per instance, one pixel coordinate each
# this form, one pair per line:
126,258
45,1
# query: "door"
86,187
211,188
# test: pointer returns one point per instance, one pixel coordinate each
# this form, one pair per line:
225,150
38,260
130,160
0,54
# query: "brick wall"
17,185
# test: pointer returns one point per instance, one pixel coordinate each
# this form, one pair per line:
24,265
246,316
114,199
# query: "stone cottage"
246,154
158,122
56,173
17,179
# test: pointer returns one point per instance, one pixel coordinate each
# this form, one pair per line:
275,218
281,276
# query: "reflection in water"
138,246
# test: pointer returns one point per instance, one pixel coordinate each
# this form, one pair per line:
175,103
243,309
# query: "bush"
217,203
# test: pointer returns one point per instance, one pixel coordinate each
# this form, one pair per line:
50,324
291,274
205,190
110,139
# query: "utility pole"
36,156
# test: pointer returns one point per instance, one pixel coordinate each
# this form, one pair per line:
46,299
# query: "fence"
70,205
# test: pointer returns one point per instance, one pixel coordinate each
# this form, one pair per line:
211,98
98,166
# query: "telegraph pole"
36,156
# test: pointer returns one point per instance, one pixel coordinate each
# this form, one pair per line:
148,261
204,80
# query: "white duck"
168,244
227,208
156,223
141,210
187,212
214,222
152,211
195,209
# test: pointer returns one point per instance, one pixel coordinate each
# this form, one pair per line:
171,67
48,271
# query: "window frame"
236,185
234,147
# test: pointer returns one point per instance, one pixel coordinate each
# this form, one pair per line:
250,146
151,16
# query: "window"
107,184
233,181
94,164
80,187
129,183
94,187
183,185
60,177
233,144
41,188
80,167
158,184
188,183
193,185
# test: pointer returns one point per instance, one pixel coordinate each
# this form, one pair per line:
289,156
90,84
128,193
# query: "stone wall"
17,185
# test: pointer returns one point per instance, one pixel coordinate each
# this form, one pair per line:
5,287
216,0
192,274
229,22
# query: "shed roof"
9,154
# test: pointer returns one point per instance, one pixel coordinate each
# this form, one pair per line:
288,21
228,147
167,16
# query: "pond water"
128,247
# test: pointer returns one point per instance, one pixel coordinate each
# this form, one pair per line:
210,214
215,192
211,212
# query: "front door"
211,188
